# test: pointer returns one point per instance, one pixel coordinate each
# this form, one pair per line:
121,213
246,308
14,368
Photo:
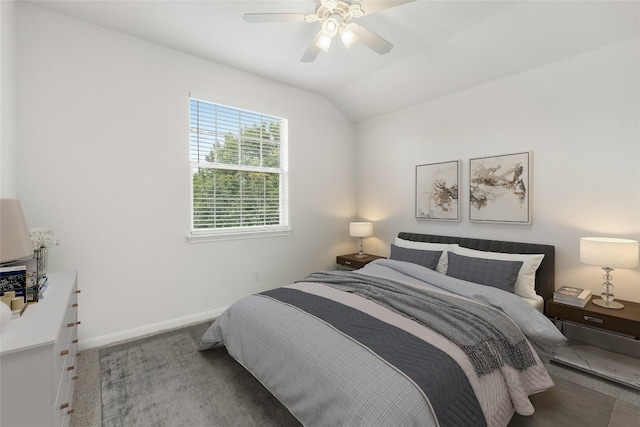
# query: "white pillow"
526,281
426,246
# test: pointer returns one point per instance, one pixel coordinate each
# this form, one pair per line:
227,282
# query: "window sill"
236,235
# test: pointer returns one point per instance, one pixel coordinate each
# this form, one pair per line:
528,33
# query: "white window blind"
238,169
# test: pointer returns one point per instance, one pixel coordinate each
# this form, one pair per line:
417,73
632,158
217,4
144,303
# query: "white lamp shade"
323,42
361,229
609,252
348,35
15,242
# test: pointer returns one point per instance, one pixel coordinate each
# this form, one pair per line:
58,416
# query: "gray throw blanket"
488,337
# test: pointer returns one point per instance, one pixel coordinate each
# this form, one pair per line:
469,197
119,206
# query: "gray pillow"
421,257
490,272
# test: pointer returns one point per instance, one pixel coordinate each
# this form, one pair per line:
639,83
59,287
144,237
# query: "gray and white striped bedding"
327,377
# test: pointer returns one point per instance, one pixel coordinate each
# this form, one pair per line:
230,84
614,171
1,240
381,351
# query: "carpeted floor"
164,381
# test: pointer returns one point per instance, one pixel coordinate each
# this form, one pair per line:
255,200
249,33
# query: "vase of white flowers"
42,259
42,239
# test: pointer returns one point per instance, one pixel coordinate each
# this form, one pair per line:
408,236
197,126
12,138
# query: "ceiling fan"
336,18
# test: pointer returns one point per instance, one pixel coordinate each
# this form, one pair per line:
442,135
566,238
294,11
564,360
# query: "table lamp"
608,253
15,242
361,230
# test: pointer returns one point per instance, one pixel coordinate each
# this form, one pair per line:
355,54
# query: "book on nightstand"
572,296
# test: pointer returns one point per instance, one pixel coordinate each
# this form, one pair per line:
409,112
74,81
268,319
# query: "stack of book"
572,296
13,278
36,293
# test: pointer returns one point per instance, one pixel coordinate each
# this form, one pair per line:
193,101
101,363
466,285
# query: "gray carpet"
164,381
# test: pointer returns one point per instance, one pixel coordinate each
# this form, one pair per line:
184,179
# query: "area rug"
165,381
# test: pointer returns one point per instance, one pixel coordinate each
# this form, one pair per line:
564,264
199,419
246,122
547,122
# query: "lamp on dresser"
15,242
608,253
361,230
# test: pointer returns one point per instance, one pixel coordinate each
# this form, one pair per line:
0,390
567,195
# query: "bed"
446,332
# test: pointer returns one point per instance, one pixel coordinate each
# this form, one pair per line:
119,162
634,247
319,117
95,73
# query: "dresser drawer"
63,408
69,367
64,348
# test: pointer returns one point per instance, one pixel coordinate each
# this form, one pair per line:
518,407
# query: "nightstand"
350,262
604,328
625,321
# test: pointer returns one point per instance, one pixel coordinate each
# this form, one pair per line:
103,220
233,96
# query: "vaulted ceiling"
440,47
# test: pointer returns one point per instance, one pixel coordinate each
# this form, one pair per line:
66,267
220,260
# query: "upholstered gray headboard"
545,275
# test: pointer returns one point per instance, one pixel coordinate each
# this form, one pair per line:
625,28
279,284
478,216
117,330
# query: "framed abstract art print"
500,189
437,191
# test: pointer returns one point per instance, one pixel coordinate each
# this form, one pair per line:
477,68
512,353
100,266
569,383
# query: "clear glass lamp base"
607,304
361,253
607,298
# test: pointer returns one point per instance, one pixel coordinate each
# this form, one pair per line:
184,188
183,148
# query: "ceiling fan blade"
312,51
373,6
372,40
275,17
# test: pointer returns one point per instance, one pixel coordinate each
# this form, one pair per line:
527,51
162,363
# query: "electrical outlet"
257,275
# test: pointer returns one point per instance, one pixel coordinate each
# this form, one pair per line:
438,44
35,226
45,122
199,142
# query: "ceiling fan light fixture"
330,27
323,42
335,17
348,35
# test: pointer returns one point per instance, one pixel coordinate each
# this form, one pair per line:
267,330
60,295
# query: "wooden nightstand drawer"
350,261
625,321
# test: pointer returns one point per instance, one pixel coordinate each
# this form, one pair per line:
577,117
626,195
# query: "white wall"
103,161
7,99
579,116
101,125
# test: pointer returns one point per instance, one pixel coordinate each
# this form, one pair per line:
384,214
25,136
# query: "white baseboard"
143,331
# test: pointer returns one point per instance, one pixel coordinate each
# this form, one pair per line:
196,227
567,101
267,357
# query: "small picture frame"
500,189
438,191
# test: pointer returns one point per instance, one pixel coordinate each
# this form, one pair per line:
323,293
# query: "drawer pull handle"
74,342
74,304
64,352
348,262
78,291
70,411
74,378
77,323
593,319
70,325
71,368
64,406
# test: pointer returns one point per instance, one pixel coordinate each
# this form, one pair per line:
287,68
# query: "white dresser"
38,358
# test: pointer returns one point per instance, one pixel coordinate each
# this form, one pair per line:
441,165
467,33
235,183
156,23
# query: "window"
238,169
